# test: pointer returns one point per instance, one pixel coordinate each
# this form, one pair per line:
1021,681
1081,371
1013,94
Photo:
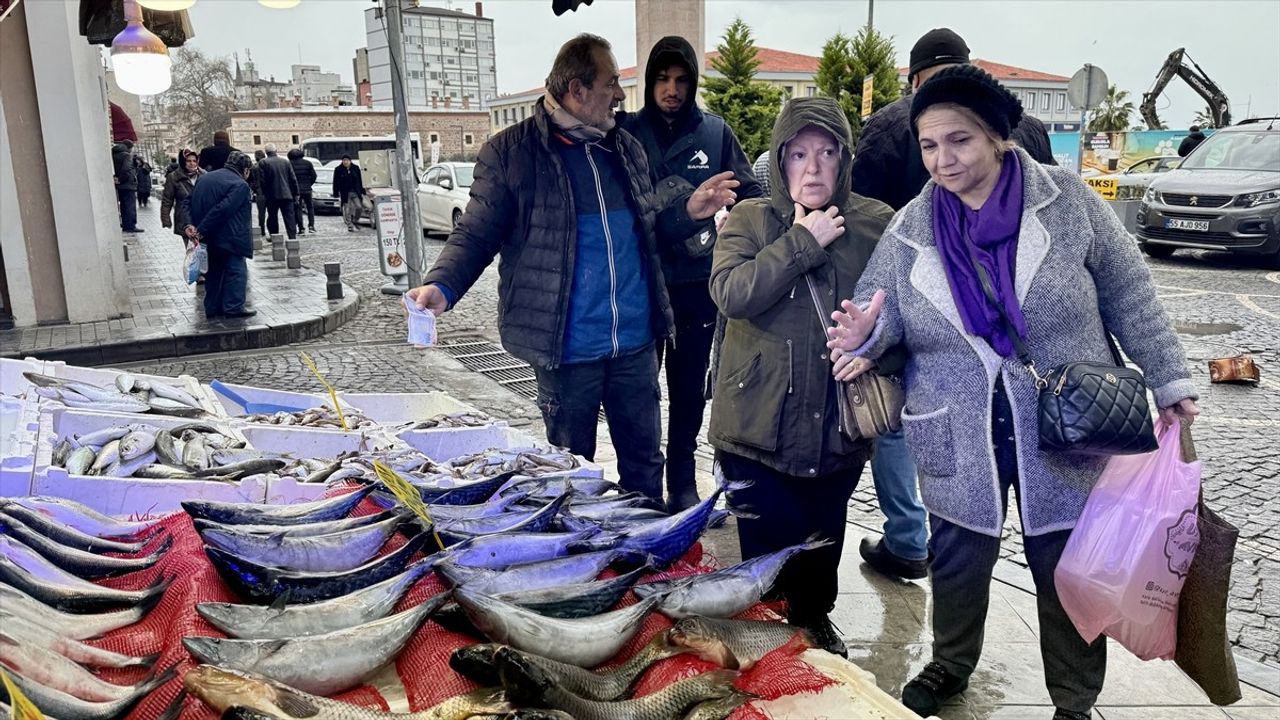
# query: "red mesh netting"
423,666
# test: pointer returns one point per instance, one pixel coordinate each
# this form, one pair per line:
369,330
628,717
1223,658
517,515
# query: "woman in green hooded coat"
781,266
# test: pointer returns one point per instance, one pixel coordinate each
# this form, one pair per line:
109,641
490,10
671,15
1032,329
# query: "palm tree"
1203,118
1114,112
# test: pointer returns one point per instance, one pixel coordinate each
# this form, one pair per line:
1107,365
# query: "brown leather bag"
1239,368
870,404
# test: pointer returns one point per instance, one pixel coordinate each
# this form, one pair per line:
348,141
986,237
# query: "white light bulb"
279,4
167,5
142,73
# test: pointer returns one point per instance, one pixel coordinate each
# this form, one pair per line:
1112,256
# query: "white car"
443,194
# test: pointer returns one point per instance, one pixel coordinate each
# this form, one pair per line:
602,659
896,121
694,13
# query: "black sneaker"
927,691
823,633
1060,714
886,563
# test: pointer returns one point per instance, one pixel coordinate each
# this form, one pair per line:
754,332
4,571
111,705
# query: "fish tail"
815,541
146,661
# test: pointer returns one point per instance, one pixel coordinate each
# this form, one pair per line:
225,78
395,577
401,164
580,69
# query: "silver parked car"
443,195
1224,196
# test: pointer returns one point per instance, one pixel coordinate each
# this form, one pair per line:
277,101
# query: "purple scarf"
992,237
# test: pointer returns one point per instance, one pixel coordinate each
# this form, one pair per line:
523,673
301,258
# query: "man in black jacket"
887,166
220,218
280,186
568,201
213,157
685,146
126,180
255,187
348,187
1191,141
306,174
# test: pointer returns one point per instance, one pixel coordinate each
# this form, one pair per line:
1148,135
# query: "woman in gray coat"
1065,272
175,200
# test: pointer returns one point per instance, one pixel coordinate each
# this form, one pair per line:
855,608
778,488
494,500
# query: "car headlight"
1150,195
1265,197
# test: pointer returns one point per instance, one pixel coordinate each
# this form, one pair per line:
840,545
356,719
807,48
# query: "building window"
257,139
293,139
468,139
522,110
1062,102
1045,100
433,138
810,91
790,91
506,118
495,117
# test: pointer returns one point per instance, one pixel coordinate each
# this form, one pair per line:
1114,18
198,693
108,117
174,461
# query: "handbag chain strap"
817,305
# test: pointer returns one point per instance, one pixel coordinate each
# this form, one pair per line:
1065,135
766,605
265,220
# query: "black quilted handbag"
1085,407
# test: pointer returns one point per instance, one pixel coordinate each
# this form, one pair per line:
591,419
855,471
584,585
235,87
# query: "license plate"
1180,224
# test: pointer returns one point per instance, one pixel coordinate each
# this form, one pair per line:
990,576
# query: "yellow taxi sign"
1107,187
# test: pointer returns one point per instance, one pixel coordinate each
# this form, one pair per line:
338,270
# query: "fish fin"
173,711
295,703
146,661
271,647
815,541
282,600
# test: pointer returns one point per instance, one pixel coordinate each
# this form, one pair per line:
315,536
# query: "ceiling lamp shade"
139,56
279,4
167,5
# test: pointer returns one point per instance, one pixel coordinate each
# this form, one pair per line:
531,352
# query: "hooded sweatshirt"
774,394
683,153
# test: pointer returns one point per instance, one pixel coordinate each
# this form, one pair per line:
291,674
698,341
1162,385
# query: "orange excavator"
1180,64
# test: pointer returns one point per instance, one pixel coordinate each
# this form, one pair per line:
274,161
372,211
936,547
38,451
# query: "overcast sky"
1234,41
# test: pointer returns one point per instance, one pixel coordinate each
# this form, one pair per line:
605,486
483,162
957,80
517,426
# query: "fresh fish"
506,549
557,485
579,568
257,622
527,683
464,494
57,704
492,508
98,438
39,635
126,468
733,644
80,460
262,584
61,452
601,511
78,562
64,534
478,663
86,519
224,690
58,672
125,404
576,600
325,527
157,471
322,474
720,708
27,571
668,539
231,456
195,453
165,406
170,392
323,664
166,449
725,592
243,468
585,642
336,552
136,444
41,380
260,514
97,394
107,456
505,523
73,626
124,382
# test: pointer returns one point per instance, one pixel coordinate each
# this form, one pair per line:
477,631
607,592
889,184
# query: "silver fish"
76,626
98,438
323,664
158,471
124,382
80,460
326,527
41,380
85,519
60,452
126,468
24,569
83,653
242,468
584,642
96,393
166,449
170,392
733,644
58,672
337,552
578,568
80,563
107,456
195,454
55,703
124,404
136,444
165,406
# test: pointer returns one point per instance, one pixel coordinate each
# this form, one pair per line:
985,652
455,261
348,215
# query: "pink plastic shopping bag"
1128,556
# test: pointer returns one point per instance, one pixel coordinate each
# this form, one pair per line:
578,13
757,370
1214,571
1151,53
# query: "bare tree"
202,95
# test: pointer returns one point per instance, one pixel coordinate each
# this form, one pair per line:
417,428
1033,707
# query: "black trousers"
686,366
260,201
570,398
961,578
304,201
791,510
128,208
275,208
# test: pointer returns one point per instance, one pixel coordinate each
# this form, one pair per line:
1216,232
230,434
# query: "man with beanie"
887,166
685,146
214,156
568,201
221,218
1191,141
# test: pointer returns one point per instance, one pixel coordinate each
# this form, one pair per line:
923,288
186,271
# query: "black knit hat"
972,87
238,162
940,46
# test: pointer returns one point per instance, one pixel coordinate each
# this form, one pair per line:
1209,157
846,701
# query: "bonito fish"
56,671
26,630
336,552
57,704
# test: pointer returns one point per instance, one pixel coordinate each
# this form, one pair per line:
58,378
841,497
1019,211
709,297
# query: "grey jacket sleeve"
1129,307
750,275
882,274
482,229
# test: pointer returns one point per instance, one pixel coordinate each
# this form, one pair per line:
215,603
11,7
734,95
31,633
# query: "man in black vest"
685,147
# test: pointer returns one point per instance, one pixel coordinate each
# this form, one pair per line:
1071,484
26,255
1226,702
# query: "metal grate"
498,365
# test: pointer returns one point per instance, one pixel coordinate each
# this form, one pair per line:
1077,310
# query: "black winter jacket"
696,146
1190,142
220,210
303,170
521,208
122,160
278,181
887,164
214,156
347,181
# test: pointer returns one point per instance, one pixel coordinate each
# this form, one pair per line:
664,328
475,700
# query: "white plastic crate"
11,380
288,490
397,408
318,443
106,378
19,432
441,444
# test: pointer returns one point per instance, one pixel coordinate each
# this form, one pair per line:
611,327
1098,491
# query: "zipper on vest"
608,240
790,366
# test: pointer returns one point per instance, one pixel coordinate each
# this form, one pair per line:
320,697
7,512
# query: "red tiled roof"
1000,71
771,61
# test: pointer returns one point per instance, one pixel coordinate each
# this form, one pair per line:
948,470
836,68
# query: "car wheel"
457,216
1158,251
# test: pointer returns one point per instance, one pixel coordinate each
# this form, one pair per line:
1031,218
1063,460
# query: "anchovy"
78,562
25,570
85,519
325,527
527,683
336,552
256,513
322,664
39,635
73,626
668,539
169,392
533,576
136,444
576,600
230,691
262,584
585,642
733,644
478,663
257,622
55,703
726,592
58,672
506,549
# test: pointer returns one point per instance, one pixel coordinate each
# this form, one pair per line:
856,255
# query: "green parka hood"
796,115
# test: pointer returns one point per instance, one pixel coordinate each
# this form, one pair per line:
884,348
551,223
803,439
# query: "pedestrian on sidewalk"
126,181
944,283
173,163
221,218
143,171
305,172
280,187
685,145
255,185
348,187
175,199
781,264
1191,141
567,199
214,156
887,167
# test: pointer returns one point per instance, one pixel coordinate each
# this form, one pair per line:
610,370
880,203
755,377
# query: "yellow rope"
23,709
333,394
407,494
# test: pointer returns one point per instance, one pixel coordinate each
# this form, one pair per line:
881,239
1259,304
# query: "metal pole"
871,16
1088,92
411,229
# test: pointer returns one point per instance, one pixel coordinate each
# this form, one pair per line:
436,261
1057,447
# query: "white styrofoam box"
11,380
319,443
65,422
19,431
288,490
267,395
441,444
406,407
124,496
106,377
